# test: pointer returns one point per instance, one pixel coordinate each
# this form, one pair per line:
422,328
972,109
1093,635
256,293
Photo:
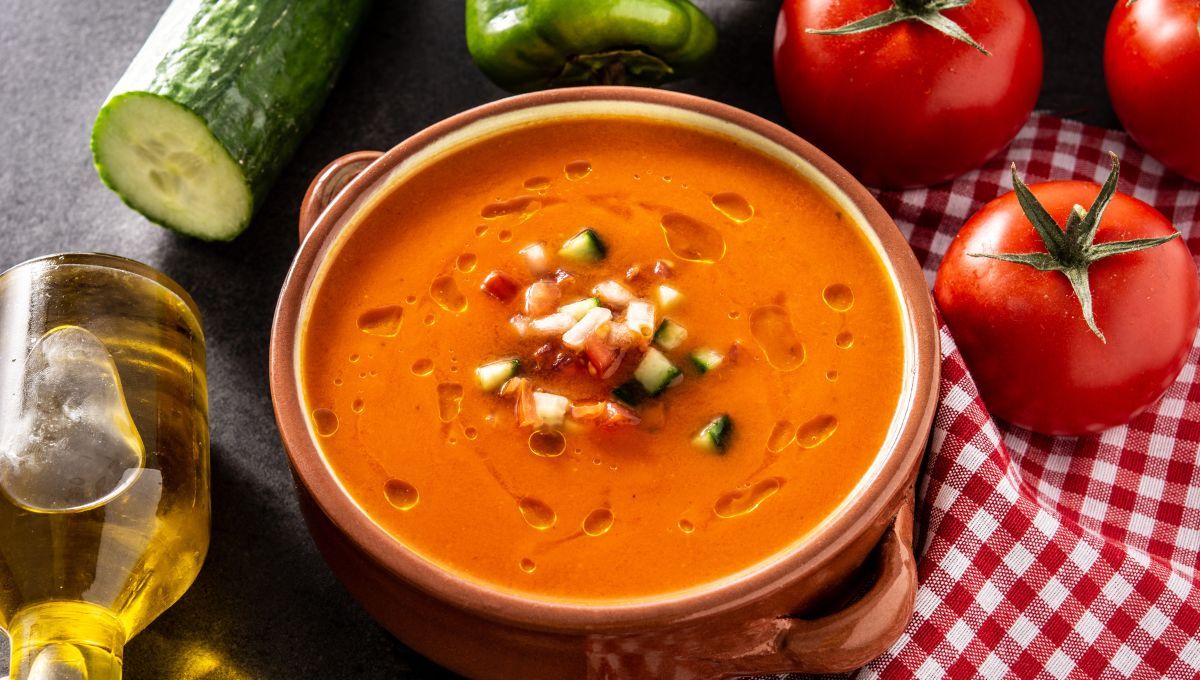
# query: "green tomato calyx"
1072,250
928,12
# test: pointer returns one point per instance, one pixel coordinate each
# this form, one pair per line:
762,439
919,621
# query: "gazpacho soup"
601,358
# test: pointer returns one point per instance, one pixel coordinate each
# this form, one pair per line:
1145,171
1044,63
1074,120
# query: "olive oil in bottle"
104,502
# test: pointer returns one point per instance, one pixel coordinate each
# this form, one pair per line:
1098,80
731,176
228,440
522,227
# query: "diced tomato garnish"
663,269
526,407
618,415
587,411
563,278
634,273
604,414
500,286
602,357
735,351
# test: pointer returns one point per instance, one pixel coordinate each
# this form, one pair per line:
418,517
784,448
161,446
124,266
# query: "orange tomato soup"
773,278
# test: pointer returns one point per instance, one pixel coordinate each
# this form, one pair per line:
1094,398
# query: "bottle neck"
66,641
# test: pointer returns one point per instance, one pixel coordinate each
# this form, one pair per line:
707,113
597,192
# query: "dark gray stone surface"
265,605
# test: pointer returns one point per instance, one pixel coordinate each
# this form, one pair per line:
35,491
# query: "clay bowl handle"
839,642
849,638
329,183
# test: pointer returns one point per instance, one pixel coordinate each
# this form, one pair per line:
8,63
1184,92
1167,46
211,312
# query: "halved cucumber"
214,104
669,335
164,162
656,372
492,375
584,247
715,435
706,359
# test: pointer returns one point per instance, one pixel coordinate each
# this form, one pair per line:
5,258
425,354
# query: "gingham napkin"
1044,557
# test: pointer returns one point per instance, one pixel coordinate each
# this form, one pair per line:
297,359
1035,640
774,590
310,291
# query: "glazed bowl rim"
870,499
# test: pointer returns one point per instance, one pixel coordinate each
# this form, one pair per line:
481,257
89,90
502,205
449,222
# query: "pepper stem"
1072,249
928,12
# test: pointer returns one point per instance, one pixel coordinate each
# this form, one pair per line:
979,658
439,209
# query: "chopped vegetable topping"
604,359
492,375
631,392
536,258
639,316
551,408
613,294
706,359
656,372
604,414
578,333
594,333
500,286
541,298
526,409
715,435
620,335
584,247
669,335
578,309
552,325
668,297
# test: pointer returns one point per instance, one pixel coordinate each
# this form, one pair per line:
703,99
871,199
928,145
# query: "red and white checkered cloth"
1044,557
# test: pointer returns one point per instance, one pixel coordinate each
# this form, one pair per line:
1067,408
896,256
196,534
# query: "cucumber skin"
255,71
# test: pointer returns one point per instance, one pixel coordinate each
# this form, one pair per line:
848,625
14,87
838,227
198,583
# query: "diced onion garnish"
554,324
551,408
541,298
576,336
639,316
612,294
668,297
535,258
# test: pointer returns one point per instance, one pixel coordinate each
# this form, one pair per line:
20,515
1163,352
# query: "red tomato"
1022,331
1152,64
905,104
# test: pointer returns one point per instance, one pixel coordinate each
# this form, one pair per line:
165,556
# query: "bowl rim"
804,558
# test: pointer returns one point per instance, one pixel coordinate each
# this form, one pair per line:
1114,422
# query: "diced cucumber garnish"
669,335
655,372
551,408
585,247
715,435
706,359
580,308
631,392
668,297
492,375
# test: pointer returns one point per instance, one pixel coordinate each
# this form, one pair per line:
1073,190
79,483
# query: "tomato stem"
928,12
1072,249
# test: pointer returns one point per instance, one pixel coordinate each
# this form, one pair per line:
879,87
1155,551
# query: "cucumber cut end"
163,161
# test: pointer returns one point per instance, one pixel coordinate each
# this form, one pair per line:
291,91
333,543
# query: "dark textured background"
265,605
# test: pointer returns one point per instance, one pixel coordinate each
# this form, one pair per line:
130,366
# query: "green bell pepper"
527,45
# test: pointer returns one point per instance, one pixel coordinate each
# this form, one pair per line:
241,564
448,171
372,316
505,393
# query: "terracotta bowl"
790,612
